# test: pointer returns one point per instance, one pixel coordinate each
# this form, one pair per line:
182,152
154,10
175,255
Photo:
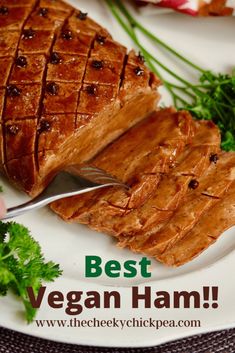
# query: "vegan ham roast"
67,89
68,94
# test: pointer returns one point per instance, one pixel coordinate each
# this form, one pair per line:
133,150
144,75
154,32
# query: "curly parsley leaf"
228,143
217,103
22,264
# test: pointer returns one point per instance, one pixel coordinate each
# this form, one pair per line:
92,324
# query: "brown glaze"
61,89
108,73
25,104
20,138
14,19
8,42
30,72
67,68
5,67
40,43
46,18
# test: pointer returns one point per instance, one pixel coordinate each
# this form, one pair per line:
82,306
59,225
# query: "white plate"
210,43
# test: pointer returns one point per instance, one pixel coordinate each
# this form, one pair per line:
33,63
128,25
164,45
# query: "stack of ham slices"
181,195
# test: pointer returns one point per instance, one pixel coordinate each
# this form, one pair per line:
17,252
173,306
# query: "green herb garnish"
213,98
22,264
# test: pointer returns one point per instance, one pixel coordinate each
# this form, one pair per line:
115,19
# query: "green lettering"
93,268
112,268
144,263
130,267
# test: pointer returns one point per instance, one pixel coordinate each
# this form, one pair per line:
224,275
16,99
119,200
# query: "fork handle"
43,199
23,208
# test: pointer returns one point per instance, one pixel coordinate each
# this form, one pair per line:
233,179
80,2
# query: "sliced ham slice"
208,229
211,187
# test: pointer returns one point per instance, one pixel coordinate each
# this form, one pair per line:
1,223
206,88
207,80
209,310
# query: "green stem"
167,84
228,99
183,89
7,255
166,68
205,86
175,96
118,18
219,112
148,57
134,38
156,39
131,33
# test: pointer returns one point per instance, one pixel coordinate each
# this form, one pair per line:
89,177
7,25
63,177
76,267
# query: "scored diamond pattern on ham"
67,89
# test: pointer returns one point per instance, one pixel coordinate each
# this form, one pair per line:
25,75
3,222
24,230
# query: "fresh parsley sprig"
213,98
22,264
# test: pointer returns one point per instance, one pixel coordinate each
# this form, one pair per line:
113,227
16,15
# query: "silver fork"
74,180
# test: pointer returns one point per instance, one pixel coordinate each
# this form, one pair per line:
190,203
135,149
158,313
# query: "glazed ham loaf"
67,89
69,93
